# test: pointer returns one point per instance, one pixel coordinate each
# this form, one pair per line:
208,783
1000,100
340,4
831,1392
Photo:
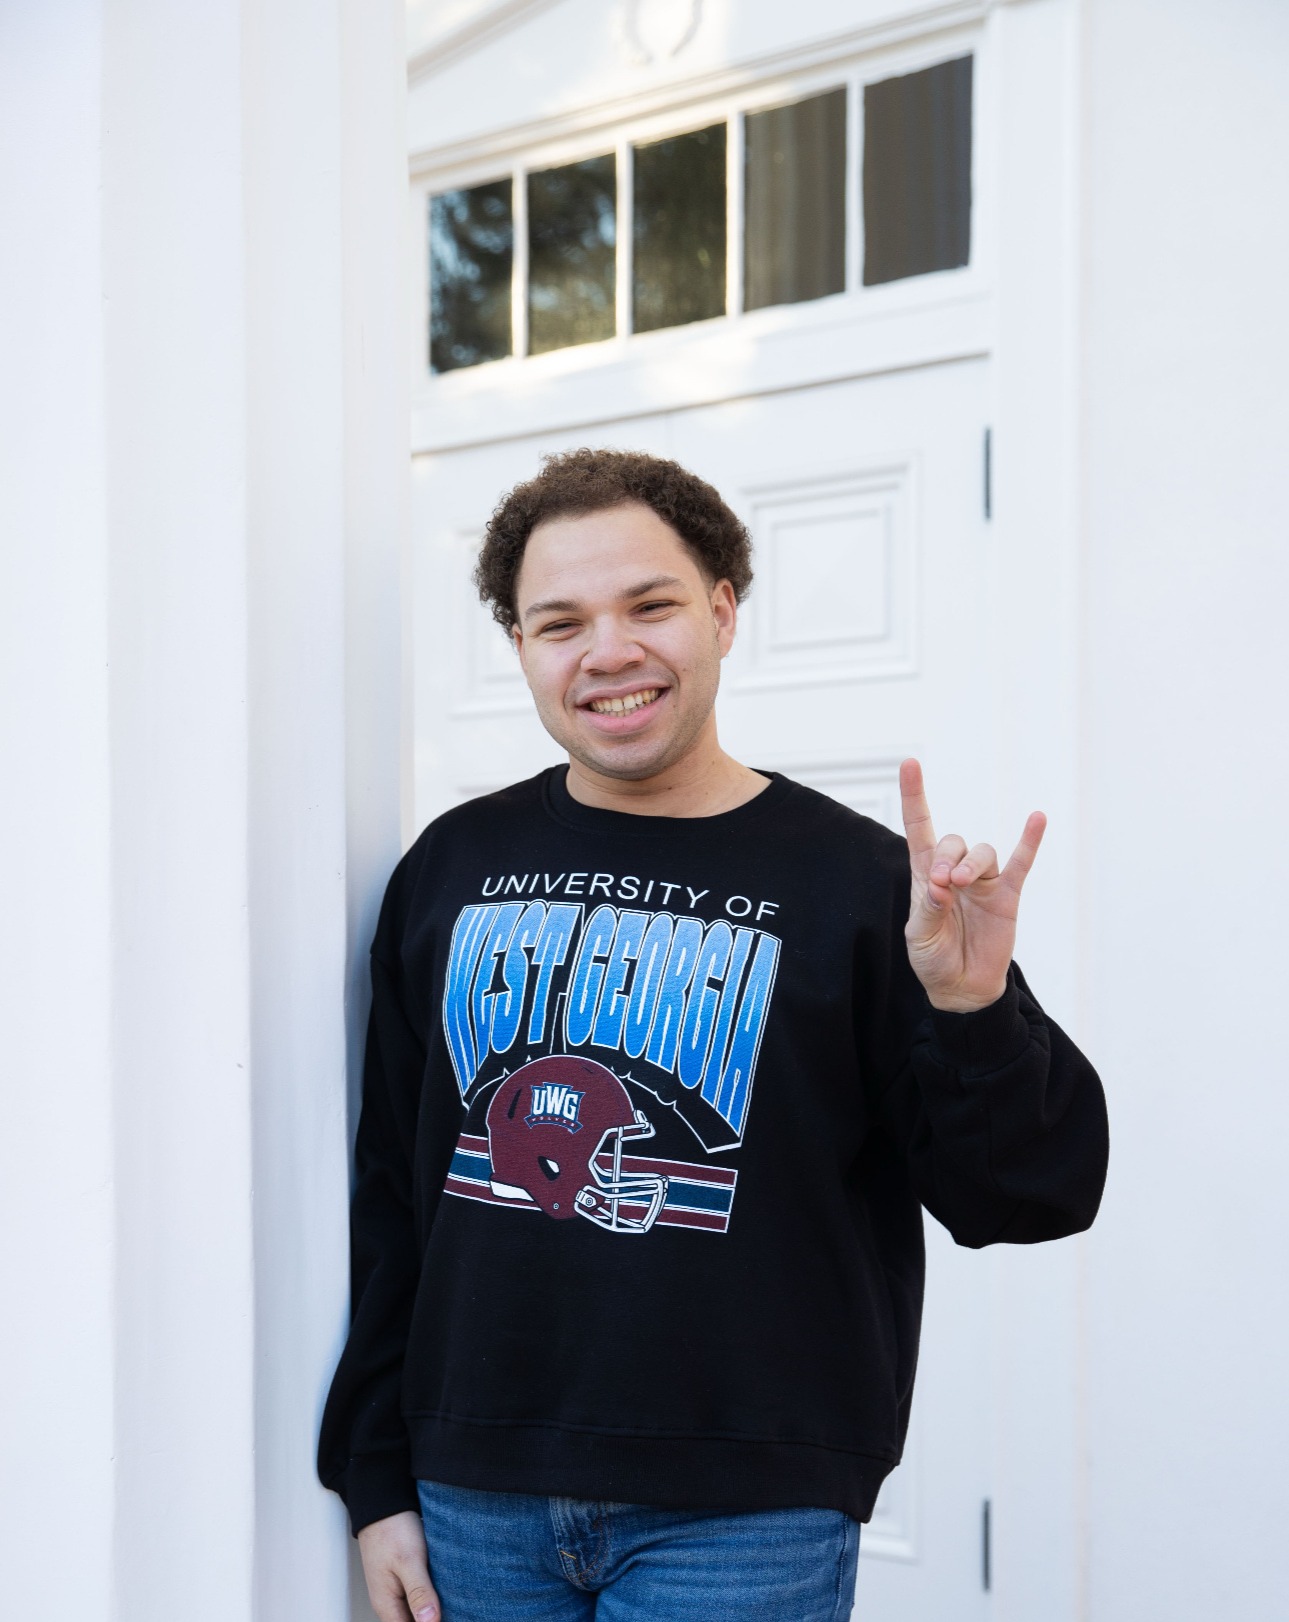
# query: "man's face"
621,639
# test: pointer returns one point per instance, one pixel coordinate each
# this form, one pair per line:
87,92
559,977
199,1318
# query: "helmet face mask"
616,1187
552,1125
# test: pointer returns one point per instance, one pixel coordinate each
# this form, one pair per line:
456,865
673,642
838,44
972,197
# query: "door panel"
859,644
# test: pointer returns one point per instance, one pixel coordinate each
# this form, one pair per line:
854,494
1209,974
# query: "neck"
703,783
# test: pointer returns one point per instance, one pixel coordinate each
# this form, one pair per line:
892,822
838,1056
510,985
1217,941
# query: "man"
666,1055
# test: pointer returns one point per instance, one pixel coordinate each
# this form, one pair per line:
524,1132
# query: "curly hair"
586,481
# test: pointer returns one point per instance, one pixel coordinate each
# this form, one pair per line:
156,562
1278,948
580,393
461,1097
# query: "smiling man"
666,1056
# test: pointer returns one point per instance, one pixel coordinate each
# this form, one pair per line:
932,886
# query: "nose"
612,647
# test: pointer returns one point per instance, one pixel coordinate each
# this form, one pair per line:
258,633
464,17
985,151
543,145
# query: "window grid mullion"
854,184
626,236
519,282
734,167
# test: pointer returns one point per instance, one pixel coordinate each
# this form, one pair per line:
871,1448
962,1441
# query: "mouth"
625,712
625,705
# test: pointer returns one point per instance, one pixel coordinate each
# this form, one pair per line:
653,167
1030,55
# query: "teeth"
624,706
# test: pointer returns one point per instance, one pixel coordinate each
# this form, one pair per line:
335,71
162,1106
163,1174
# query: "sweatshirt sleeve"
363,1449
1001,1119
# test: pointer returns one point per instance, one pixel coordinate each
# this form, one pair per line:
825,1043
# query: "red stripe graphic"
668,1217
482,1193
672,1215
687,1170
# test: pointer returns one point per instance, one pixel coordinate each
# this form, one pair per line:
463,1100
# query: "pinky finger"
1022,858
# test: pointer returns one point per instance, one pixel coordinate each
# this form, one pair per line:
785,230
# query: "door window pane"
794,233
572,231
678,250
472,241
917,172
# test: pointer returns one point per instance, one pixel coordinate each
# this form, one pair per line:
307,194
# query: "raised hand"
962,913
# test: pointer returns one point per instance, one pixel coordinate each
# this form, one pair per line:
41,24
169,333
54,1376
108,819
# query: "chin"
625,767
632,762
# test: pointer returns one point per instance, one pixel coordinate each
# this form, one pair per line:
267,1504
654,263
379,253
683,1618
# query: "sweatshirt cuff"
986,1039
377,1485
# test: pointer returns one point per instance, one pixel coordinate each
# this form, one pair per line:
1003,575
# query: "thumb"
929,906
422,1601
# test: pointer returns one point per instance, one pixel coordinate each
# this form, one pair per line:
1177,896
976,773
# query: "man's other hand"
962,912
396,1569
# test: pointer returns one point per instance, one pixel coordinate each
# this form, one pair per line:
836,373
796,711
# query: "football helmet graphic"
556,1128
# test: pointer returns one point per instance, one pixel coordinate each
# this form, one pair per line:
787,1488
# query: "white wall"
205,446
1186,770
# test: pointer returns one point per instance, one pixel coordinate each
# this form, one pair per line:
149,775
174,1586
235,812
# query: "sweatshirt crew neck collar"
562,807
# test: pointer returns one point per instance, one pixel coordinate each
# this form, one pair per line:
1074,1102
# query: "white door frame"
1020,306
1038,1519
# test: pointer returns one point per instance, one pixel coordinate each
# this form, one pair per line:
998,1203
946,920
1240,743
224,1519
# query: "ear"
725,614
517,637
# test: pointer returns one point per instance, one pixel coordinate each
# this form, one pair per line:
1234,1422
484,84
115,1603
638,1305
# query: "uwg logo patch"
555,1105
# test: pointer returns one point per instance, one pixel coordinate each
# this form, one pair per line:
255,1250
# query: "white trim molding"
471,36
504,141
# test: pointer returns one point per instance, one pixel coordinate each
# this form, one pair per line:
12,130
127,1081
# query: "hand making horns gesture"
962,912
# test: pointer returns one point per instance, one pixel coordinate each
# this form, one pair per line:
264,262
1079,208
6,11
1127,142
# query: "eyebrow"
566,605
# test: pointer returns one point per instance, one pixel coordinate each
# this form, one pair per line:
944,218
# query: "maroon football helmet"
549,1125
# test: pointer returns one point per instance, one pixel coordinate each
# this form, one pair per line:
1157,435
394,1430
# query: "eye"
648,608
558,627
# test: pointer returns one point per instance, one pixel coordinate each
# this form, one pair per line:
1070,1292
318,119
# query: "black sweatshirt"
650,1110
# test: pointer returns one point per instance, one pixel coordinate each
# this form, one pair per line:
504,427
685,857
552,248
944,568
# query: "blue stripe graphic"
473,1167
698,1197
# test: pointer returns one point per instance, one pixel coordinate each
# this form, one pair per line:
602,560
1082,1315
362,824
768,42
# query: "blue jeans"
515,1557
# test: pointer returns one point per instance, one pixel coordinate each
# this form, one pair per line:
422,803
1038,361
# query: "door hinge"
986,1550
989,473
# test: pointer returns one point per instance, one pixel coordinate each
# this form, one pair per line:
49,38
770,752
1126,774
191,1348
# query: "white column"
1031,84
174,282
206,462
326,207
56,1356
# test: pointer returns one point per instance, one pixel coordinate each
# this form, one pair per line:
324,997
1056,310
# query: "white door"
862,642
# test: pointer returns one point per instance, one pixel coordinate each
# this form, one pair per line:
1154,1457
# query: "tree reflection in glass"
472,244
678,246
572,236
794,230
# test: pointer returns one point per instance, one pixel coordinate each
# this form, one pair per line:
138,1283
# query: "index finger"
918,827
